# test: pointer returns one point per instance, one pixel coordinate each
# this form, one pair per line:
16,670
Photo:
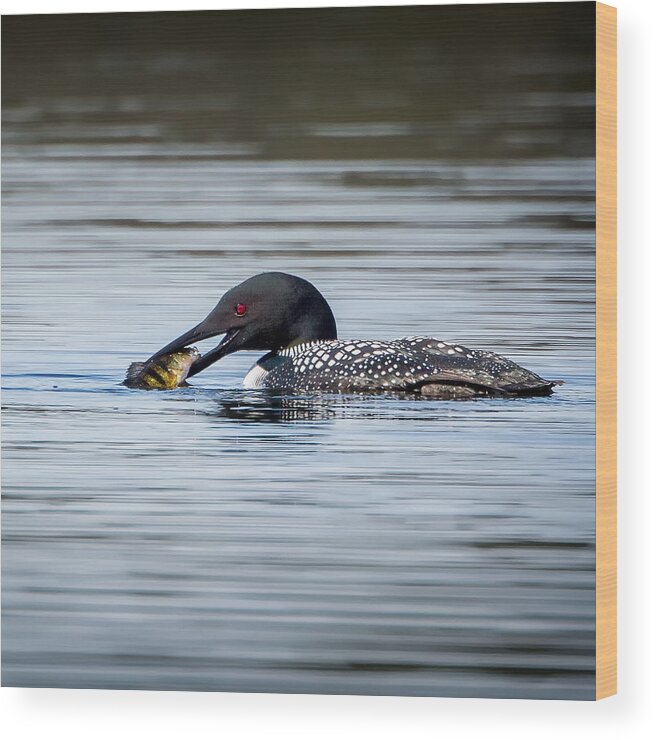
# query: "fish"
164,373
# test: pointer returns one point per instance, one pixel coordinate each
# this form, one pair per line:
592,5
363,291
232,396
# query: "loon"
287,317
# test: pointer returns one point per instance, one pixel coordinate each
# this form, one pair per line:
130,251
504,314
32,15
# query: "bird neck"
316,323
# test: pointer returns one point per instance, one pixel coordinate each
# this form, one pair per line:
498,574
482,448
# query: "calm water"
211,538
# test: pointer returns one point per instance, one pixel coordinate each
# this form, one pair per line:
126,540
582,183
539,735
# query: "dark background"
474,81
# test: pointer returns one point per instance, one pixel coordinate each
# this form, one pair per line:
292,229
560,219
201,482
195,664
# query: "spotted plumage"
289,317
412,364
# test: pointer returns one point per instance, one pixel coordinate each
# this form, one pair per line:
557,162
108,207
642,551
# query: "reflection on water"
428,181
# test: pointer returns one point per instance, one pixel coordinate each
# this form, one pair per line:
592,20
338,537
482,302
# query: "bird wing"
478,367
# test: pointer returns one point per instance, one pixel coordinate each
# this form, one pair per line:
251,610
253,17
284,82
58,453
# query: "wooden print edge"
606,358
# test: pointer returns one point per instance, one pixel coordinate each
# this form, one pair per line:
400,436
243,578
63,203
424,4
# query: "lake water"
212,538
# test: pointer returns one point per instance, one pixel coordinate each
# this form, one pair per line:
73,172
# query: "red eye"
240,309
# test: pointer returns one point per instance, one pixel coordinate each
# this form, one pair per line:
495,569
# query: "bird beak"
204,330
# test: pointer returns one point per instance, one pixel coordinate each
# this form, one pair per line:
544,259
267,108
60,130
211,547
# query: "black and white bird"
287,317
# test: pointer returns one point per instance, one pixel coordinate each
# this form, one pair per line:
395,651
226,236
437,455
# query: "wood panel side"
606,362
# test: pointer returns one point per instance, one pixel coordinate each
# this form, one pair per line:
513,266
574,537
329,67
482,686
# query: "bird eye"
240,309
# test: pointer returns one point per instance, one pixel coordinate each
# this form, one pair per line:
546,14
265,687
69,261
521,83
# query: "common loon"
287,316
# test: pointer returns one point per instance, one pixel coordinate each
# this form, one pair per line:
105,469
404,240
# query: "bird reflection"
264,406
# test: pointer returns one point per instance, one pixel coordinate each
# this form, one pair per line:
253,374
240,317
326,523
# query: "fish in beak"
205,330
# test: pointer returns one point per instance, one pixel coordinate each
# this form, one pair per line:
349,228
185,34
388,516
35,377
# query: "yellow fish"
164,373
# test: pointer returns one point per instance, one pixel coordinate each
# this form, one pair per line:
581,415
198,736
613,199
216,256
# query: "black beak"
197,334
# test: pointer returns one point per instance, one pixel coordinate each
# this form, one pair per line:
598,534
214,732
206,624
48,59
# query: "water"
212,538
